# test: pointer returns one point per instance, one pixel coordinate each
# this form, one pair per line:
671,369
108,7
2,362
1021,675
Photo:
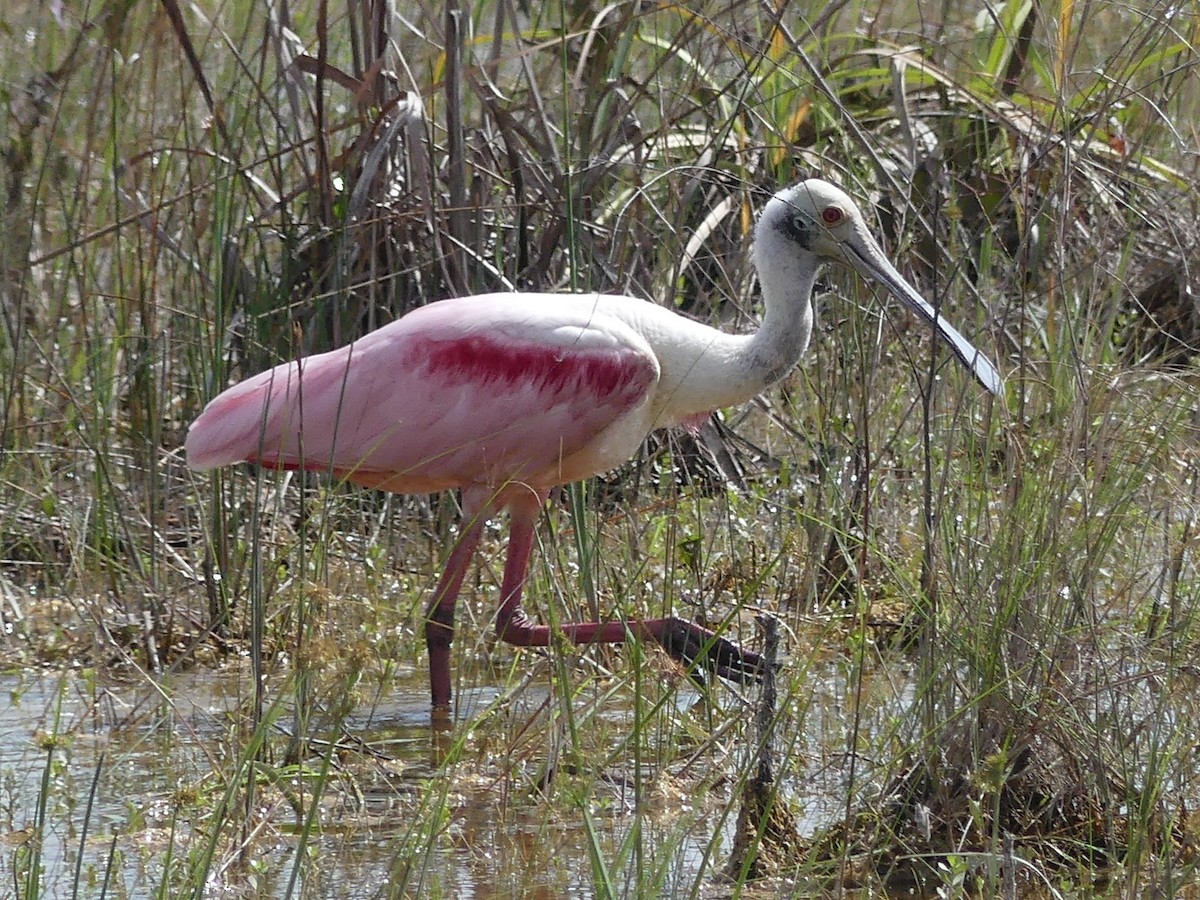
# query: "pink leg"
686,641
439,617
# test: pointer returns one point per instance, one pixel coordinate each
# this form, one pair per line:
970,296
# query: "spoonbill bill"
505,396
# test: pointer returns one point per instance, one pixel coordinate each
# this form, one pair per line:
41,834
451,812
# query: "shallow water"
136,774
153,761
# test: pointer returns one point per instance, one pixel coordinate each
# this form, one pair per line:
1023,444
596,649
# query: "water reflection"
492,803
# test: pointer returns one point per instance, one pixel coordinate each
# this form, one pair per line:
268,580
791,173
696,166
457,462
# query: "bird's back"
482,389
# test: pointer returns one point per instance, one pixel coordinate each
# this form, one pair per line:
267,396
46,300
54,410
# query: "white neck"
705,369
786,276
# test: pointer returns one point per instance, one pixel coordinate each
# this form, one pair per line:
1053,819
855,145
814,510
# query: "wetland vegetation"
214,685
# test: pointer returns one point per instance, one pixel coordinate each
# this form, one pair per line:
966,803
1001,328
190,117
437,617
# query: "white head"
812,222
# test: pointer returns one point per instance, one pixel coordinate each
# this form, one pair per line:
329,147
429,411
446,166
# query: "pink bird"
505,396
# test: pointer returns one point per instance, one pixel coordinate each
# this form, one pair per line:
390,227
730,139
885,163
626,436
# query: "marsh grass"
990,605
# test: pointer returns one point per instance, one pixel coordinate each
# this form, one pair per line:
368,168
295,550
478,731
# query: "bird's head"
820,219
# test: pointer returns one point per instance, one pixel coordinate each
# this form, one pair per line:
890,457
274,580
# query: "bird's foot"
701,650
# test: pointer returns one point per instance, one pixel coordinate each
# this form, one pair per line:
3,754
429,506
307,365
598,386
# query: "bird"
506,396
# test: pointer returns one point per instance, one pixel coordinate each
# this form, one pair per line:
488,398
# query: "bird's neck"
704,369
787,286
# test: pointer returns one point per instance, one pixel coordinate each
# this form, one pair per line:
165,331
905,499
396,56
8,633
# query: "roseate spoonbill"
505,396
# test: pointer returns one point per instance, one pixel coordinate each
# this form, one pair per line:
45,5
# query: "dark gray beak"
865,256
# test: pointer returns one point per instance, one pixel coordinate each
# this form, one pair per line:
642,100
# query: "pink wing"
476,390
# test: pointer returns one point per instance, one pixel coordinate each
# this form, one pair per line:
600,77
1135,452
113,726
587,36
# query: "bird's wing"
477,390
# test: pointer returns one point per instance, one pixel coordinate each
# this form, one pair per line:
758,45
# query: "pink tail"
242,424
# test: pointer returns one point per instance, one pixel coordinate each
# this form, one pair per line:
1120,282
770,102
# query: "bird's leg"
691,644
439,617
512,625
698,649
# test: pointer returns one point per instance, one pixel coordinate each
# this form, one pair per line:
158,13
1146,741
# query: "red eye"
832,215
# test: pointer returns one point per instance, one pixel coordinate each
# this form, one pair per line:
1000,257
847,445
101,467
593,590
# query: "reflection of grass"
1005,591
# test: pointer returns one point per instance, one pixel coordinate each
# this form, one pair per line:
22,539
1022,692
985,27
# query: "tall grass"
991,604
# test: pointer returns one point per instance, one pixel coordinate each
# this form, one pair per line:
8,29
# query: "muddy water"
154,760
